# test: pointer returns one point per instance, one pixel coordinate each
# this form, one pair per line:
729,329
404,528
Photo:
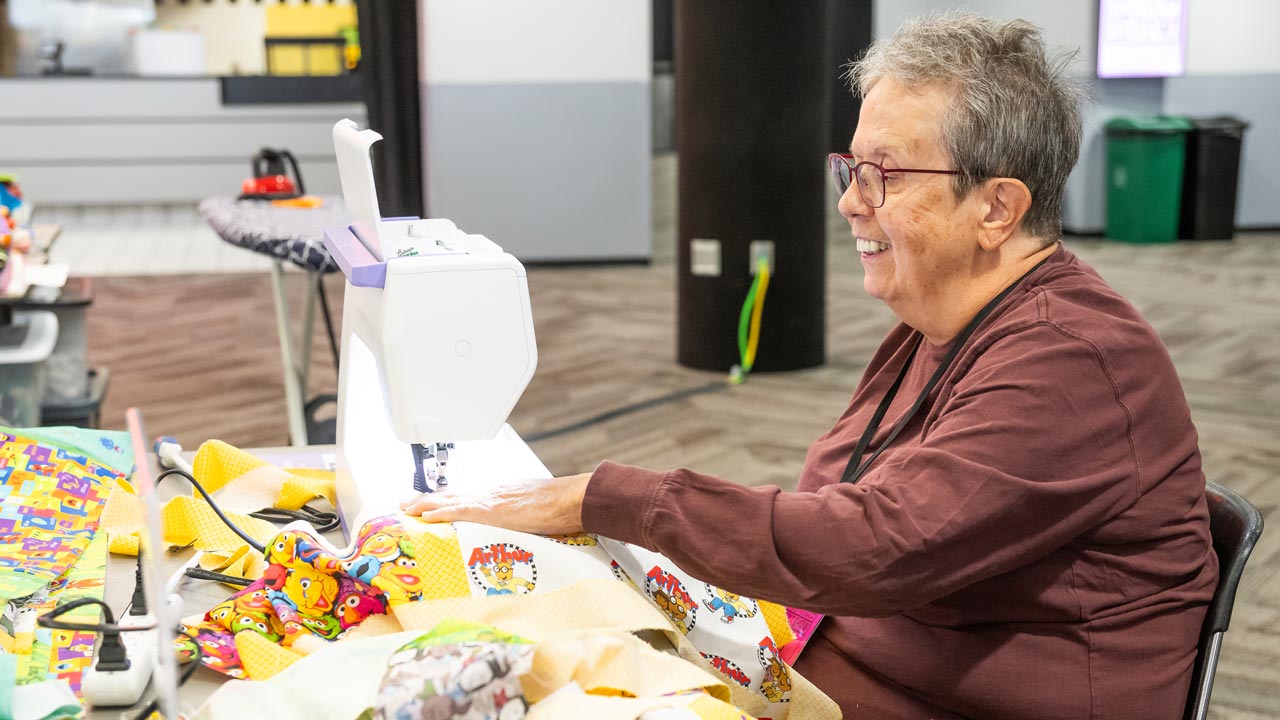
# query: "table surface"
42,239
197,595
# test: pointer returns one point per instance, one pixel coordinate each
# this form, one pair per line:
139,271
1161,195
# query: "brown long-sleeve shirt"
1035,544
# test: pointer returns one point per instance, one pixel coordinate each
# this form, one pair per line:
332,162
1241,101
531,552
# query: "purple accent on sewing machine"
358,264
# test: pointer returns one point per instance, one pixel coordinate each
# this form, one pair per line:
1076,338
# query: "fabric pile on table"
308,594
54,484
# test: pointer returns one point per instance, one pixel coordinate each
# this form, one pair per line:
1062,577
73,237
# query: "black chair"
1235,525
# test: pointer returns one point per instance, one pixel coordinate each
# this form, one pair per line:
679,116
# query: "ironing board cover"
293,234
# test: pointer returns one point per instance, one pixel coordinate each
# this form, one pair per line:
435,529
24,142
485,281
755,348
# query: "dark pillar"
753,129
848,37
389,78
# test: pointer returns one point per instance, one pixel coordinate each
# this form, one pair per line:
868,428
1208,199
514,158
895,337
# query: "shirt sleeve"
1031,448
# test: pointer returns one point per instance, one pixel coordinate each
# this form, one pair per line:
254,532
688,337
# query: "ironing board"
295,235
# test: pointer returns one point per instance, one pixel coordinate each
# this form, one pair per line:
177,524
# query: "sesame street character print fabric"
310,591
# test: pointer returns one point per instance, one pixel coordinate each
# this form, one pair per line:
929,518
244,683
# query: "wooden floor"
199,355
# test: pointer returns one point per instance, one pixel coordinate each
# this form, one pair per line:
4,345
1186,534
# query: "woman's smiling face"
929,234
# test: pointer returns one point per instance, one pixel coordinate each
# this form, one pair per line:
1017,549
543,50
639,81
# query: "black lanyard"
855,469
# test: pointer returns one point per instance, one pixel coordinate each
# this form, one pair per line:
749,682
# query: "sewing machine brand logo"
503,569
731,606
776,684
729,669
668,592
578,540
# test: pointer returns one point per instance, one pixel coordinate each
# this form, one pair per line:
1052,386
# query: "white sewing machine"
437,347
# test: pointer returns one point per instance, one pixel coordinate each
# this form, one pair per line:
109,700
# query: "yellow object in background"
312,21
306,201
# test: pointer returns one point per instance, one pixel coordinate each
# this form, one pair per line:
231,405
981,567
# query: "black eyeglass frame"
842,179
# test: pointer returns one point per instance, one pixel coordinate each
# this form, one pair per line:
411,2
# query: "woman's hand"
552,506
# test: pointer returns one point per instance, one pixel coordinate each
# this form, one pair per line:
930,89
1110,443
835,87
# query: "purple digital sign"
1142,38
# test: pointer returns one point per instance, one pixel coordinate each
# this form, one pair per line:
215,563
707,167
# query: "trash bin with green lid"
1145,157
1211,178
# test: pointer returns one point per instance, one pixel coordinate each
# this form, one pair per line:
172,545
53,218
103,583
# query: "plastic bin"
1145,159
66,373
85,411
1211,179
25,346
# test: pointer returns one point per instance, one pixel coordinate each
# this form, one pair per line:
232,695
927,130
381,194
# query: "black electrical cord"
110,629
627,410
217,511
138,603
108,624
111,652
321,520
328,322
200,573
187,672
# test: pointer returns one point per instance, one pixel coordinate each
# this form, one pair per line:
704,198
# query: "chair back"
1235,525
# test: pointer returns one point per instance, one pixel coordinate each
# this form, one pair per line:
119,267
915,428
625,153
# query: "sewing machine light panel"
372,453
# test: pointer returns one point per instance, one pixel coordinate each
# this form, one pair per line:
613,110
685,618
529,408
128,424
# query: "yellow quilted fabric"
775,616
190,521
217,463
261,657
440,558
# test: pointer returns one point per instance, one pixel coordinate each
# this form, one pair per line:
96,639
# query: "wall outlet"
760,250
704,257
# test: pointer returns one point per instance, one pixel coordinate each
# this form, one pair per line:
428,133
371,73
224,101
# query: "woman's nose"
851,202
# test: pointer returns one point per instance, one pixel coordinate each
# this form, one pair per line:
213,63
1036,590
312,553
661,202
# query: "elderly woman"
1009,519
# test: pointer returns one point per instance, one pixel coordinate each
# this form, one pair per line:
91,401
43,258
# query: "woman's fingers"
448,507
550,506
428,502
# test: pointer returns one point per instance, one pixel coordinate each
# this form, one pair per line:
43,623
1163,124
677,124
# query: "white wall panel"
141,184
1233,37
233,33
549,41
142,141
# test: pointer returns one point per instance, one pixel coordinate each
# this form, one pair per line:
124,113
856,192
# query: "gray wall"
549,171
1254,98
139,141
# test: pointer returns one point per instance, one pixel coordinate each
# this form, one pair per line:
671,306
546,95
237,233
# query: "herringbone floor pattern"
198,354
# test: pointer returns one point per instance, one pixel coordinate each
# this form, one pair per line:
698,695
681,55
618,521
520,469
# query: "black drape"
848,37
389,78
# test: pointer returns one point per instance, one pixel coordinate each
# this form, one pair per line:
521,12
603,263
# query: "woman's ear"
1005,202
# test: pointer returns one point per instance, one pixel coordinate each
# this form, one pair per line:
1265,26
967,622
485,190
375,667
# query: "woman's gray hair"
1016,112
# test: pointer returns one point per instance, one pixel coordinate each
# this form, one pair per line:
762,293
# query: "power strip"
111,688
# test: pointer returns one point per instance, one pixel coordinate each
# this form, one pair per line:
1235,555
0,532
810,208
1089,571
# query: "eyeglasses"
871,177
